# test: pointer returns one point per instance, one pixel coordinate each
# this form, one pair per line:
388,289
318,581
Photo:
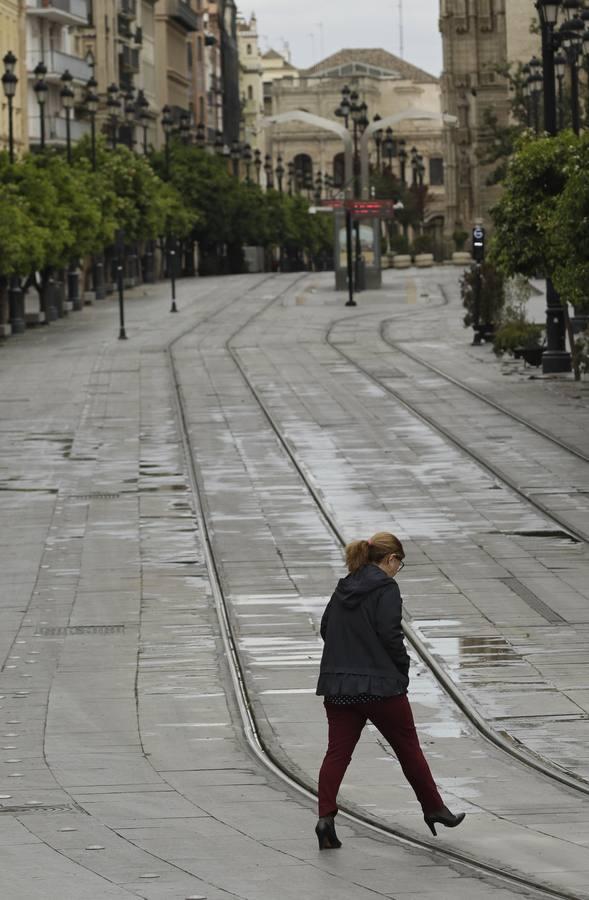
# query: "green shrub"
581,354
422,244
513,335
492,295
460,238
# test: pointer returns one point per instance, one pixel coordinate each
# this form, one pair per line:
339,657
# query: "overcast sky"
349,23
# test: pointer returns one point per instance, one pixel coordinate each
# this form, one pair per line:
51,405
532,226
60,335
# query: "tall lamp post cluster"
564,29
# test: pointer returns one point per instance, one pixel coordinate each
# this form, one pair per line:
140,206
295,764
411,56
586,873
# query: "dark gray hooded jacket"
364,650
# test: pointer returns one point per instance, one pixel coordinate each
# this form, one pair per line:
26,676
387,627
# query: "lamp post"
268,169
235,154
570,35
92,108
388,148
555,358
247,157
144,117
560,62
167,125
130,114
402,160
201,136
91,103
67,101
378,140
219,143
535,83
279,173
258,165
113,104
185,128
343,110
15,294
291,176
9,83
40,88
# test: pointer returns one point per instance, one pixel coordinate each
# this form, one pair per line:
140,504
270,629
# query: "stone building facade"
251,83
479,37
12,38
388,85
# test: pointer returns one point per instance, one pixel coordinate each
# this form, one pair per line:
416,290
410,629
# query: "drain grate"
37,808
56,630
96,496
528,596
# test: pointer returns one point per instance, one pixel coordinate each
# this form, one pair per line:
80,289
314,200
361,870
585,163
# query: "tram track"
572,530
253,733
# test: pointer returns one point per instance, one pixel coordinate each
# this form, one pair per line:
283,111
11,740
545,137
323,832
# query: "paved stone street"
285,422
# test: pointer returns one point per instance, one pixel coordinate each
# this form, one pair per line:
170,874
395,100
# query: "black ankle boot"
443,817
325,831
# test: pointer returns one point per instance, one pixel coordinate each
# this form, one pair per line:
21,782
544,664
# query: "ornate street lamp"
258,165
279,173
185,127
318,186
235,154
555,358
402,160
67,101
41,88
130,114
570,36
167,125
343,110
144,117
291,177
560,63
113,104
219,143
9,83
378,140
268,169
389,147
201,135
247,156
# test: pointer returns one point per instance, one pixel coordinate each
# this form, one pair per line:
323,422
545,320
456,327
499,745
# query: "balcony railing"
57,62
55,130
182,13
129,9
67,12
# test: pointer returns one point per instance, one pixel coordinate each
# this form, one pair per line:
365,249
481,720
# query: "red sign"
383,209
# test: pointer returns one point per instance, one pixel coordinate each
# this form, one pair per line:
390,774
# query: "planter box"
532,355
484,332
461,258
424,260
402,261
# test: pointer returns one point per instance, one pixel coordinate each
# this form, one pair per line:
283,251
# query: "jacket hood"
351,589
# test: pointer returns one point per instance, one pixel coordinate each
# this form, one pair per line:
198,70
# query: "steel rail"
252,733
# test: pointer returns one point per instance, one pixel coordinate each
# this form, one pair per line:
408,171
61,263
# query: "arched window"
250,92
249,49
339,170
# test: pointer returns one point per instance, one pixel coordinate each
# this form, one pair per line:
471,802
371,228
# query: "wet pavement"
125,769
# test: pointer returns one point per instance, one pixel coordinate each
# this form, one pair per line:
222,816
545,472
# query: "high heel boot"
443,817
325,831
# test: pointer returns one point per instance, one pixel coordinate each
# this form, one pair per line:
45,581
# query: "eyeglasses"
400,561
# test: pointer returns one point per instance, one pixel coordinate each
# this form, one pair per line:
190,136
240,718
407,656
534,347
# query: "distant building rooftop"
364,61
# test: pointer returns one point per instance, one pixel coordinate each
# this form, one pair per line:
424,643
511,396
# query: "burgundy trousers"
394,720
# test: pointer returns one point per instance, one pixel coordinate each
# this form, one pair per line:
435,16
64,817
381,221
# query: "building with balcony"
176,21
12,38
52,39
250,83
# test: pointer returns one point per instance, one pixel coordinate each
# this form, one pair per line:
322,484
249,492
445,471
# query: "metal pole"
68,136
575,93
10,131
167,151
560,104
122,332
350,301
172,268
42,124
93,139
555,358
